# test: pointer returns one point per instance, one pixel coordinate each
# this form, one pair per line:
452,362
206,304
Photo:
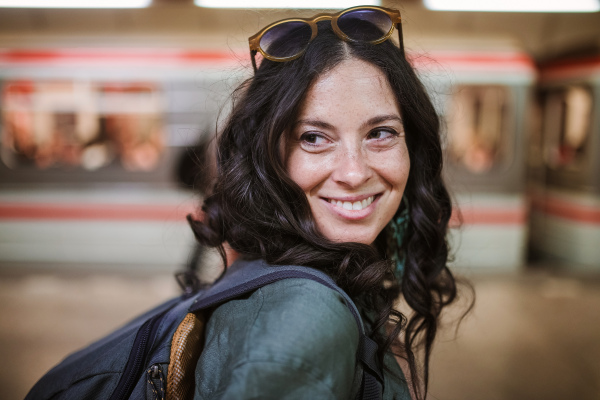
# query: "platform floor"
531,336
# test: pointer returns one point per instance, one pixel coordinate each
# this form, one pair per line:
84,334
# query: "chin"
343,236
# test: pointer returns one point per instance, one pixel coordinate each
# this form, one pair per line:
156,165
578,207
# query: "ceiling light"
515,5
75,3
327,4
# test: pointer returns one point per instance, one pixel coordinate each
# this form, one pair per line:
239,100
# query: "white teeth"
357,205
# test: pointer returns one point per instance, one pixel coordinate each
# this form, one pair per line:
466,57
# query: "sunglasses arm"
252,57
400,38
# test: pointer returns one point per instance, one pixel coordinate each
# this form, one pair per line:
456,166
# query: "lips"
352,205
352,208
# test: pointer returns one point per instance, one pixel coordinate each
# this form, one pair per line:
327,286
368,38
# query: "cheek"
395,167
307,170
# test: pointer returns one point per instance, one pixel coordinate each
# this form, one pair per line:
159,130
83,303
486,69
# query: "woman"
330,159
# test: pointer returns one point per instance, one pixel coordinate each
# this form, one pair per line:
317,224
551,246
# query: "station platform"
531,335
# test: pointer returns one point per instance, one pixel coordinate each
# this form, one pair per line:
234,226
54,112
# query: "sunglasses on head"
365,24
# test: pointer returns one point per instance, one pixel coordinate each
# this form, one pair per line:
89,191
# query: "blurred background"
105,113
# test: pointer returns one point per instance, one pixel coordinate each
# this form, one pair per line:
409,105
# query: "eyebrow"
372,121
314,122
381,118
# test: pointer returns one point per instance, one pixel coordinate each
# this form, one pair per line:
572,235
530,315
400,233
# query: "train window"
566,125
81,125
477,119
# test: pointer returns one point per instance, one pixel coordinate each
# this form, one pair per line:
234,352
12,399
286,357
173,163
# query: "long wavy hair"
261,213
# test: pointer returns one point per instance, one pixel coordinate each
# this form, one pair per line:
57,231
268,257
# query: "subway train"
483,89
564,161
91,143
91,140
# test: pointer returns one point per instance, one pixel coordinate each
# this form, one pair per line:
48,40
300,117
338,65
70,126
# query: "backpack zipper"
135,364
156,381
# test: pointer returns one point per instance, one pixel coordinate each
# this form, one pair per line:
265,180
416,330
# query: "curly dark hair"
261,213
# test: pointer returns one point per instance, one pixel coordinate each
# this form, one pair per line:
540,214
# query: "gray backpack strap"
246,276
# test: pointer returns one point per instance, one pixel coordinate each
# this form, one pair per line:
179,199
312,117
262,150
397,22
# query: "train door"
485,101
565,179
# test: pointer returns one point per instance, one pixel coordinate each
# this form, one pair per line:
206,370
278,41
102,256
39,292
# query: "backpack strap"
186,346
247,276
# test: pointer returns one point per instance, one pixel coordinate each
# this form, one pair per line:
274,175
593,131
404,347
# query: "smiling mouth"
352,205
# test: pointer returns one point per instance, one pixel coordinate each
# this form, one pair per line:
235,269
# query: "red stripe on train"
115,56
498,60
162,212
488,216
567,210
116,212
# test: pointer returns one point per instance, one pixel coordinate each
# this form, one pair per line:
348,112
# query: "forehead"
353,86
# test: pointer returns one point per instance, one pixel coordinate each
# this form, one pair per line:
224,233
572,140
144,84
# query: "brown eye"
382,133
313,139
310,137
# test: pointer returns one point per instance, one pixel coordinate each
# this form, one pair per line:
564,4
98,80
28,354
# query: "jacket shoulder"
300,326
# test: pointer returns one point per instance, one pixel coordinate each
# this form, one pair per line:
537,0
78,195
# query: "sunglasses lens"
365,25
287,39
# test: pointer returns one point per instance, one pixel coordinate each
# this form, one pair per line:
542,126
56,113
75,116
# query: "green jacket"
293,339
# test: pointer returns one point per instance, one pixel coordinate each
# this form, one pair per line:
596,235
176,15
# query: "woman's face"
347,151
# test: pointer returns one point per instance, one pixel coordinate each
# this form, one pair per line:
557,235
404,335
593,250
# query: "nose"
352,168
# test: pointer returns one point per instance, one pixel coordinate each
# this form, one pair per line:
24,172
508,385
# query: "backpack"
155,355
